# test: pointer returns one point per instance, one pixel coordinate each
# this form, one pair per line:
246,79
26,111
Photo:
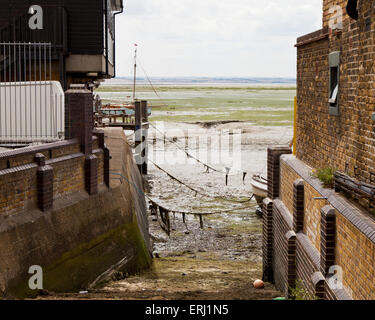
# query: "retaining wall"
309,229
63,209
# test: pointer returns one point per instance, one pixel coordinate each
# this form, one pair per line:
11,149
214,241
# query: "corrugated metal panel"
31,111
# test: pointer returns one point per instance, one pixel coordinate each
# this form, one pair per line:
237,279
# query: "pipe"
351,9
295,127
114,40
106,36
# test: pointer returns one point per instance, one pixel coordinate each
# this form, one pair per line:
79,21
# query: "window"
334,86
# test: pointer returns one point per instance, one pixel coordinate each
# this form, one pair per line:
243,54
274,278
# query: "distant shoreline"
178,87
206,82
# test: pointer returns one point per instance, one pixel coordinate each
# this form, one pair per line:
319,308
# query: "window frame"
334,83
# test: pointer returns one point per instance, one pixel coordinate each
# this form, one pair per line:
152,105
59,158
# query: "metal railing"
31,105
55,30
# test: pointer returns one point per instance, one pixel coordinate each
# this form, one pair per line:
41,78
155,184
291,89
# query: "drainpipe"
114,39
106,36
351,9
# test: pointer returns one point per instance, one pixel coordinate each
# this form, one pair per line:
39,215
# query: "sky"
214,38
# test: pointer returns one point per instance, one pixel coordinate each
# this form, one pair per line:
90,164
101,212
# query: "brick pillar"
273,175
267,240
101,138
79,117
44,183
298,205
291,269
91,174
318,282
107,156
327,239
79,124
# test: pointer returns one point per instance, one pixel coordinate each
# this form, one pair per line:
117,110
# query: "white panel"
31,111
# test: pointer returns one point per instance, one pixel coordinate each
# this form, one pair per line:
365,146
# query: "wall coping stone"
280,206
359,218
309,248
37,149
290,234
317,278
341,294
313,37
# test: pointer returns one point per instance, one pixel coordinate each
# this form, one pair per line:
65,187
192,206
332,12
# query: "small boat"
260,187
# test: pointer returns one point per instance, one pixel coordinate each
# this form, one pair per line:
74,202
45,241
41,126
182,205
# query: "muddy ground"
222,260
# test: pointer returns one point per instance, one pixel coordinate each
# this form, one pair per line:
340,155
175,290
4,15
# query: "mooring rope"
207,166
164,212
197,191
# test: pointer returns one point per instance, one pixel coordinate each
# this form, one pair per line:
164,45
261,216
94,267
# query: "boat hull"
259,186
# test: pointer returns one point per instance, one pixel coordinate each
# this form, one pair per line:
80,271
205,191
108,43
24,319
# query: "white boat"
260,187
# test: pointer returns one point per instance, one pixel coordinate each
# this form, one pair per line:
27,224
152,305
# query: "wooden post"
144,107
138,134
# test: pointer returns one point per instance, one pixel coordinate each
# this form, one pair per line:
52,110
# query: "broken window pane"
333,97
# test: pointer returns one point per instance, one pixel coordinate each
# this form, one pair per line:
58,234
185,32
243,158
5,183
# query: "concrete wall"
81,236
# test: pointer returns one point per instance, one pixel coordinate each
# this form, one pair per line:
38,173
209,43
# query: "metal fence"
31,105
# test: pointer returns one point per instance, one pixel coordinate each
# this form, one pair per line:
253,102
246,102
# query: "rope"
195,190
191,156
201,213
191,188
178,211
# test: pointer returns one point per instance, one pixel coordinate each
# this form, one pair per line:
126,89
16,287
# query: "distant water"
203,81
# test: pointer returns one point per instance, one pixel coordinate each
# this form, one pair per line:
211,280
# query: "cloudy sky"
231,38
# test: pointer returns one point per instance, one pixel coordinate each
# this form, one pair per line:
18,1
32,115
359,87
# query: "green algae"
76,268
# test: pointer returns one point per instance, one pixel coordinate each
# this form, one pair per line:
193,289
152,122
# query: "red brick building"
324,238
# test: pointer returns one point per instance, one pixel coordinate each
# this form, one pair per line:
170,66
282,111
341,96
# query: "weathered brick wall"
312,207
345,142
307,261
282,223
327,4
335,232
83,236
18,173
69,175
18,189
355,233
355,253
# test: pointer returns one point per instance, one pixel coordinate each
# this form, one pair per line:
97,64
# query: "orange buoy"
258,284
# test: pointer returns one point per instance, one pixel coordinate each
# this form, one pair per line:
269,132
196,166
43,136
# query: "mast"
135,70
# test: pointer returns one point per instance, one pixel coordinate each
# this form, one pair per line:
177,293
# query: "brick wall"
282,223
18,177
347,141
312,213
82,235
327,4
356,254
353,237
330,231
